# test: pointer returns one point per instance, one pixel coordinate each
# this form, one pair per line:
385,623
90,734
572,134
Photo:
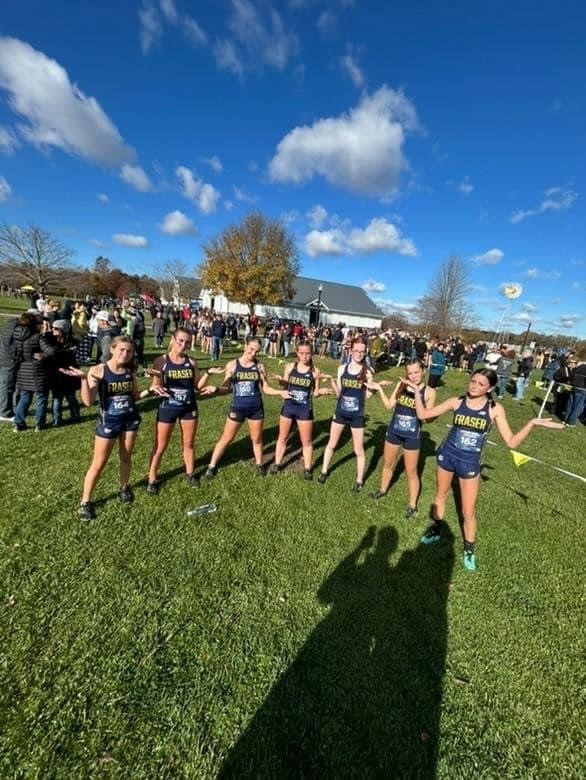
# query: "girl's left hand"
547,422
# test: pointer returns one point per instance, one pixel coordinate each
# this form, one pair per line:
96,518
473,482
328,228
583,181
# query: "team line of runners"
177,381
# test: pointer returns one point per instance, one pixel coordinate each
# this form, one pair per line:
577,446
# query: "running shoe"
410,512
469,561
125,495
260,470
378,494
274,468
322,478
211,472
192,480
307,475
19,428
357,487
6,418
153,488
86,511
433,534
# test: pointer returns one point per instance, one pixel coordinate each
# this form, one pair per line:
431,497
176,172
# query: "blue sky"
386,135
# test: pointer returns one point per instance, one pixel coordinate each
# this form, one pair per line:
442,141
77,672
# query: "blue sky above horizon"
386,138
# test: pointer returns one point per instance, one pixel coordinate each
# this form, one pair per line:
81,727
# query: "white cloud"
568,321
136,177
536,273
127,239
102,197
152,18
243,196
554,199
372,286
556,301
97,242
380,235
169,10
524,317
353,70
529,307
150,26
176,223
465,187
325,242
327,22
317,216
214,163
340,239
5,190
492,257
203,196
228,205
57,113
258,38
193,31
361,151
8,140
390,306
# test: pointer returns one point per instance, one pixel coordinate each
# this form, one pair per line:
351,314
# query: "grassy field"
300,631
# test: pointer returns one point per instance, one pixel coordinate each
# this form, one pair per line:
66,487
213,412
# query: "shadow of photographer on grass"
363,696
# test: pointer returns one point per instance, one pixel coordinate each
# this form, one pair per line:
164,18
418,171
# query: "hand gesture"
208,390
215,370
159,390
152,372
285,395
547,422
73,372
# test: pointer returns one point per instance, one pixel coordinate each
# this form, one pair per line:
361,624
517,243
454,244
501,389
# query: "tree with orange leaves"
254,262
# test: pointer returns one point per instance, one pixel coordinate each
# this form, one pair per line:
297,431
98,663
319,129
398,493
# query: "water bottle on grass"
204,509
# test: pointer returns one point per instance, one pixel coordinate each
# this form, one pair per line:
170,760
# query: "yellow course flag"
519,459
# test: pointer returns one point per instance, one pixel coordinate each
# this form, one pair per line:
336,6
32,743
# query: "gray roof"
335,297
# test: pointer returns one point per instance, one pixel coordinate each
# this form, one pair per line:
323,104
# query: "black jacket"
33,373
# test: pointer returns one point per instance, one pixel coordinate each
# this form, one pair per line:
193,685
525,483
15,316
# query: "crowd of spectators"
51,335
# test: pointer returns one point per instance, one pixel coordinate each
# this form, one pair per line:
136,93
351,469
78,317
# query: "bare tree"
31,255
176,281
444,309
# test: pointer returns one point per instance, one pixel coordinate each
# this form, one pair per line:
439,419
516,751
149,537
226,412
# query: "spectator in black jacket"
32,352
7,372
64,386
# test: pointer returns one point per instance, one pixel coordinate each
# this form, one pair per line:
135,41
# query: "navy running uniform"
461,450
177,379
300,386
350,406
404,428
246,396
117,413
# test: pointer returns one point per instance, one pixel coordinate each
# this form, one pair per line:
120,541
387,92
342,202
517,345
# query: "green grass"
299,631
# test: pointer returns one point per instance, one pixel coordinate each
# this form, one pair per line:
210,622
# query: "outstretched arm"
267,389
428,413
513,440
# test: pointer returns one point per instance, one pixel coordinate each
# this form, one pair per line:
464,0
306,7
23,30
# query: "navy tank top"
177,379
470,428
300,386
116,394
404,421
351,400
246,386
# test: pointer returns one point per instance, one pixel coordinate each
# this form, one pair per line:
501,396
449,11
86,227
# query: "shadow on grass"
363,696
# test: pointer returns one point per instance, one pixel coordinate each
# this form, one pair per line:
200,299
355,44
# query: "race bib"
179,397
244,389
469,441
119,404
298,396
349,403
404,424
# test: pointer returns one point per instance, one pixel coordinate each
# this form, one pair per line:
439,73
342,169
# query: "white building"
314,301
